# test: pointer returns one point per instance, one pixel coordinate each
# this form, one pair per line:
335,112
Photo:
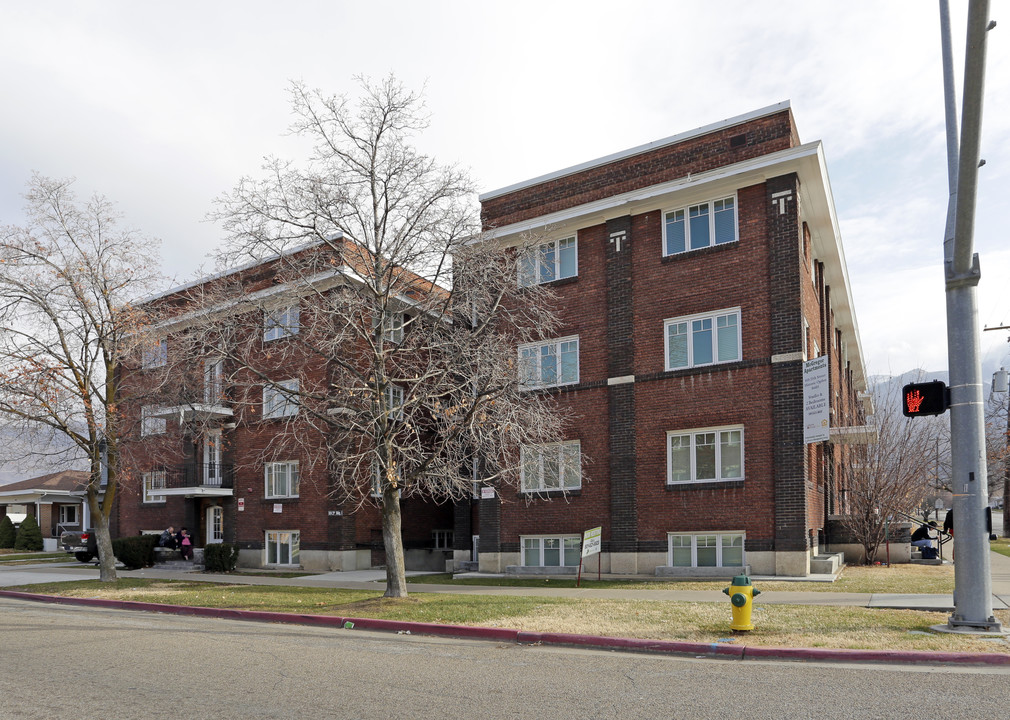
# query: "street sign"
592,541
930,398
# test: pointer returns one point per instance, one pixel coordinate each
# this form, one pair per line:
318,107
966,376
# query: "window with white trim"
378,481
280,399
392,326
552,467
705,339
706,455
699,226
282,547
153,482
549,364
552,551
549,261
281,322
68,515
706,550
155,354
394,401
150,425
281,479
442,539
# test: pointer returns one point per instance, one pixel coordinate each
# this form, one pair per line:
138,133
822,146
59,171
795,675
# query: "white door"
213,381
215,524
212,458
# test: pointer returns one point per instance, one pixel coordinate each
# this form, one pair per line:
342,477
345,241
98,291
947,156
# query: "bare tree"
401,354
68,279
892,475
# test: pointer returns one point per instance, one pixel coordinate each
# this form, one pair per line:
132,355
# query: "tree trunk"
100,523
392,540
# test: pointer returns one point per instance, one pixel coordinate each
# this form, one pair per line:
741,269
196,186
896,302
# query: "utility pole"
972,581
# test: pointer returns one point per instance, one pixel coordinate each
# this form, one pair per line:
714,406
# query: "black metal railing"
218,475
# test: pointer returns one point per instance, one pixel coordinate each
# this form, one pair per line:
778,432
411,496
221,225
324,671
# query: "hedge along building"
696,274
230,451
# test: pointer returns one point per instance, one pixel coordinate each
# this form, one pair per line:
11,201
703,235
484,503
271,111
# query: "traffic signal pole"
972,582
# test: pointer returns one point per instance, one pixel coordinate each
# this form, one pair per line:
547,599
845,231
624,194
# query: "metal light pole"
972,582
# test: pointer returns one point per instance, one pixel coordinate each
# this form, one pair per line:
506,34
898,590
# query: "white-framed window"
392,326
548,364
706,550
280,399
281,479
282,547
705,455
442,539
704,339
69,515
549,261
552,551
378,481
153,482
155,354
394,401
699,226
215,524
552,467
213,380
280,322
150,425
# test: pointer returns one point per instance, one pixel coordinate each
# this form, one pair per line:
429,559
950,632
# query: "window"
442,539
709,455
150,425
154,481
702,339
68,515
213,381
699,226
378,481
392,326
549,364
552,467
706,550
549,261
280,322
282,547
155,354
281,479
280,399
394,401
558,551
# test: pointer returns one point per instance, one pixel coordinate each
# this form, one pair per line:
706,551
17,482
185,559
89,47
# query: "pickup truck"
83,545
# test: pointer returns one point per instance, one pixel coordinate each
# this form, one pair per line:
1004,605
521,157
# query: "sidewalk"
373,579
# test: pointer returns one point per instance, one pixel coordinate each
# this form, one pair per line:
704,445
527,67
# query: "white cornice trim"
631,152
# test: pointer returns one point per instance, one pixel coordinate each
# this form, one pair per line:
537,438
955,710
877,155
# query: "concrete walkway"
374,580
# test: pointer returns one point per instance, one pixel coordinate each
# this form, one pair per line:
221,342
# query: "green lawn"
19,557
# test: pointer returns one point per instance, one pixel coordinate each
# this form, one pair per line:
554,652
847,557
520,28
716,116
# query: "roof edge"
638,150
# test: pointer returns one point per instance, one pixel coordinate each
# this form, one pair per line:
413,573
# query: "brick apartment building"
697,274
205,455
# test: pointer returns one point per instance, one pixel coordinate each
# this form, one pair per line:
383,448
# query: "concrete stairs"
917,558
826,563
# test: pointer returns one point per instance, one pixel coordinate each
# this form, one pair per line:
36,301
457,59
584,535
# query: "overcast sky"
164,107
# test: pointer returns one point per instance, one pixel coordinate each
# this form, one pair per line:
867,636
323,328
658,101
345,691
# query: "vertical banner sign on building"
816,406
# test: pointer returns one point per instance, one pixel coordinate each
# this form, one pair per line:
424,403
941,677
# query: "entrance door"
212,459
215,524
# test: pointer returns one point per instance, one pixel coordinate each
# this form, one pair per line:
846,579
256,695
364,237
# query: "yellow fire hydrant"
741,595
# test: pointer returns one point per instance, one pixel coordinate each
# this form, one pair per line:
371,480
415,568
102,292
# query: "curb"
523,637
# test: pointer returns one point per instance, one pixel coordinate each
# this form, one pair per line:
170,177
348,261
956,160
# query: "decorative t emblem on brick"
616,238
780,199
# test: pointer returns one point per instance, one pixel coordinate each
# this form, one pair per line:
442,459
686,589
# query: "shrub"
220,557
7,533
136,551
29,535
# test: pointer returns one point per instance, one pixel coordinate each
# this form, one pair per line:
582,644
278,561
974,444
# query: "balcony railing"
215,475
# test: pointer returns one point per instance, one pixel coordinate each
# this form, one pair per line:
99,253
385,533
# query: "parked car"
82,545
